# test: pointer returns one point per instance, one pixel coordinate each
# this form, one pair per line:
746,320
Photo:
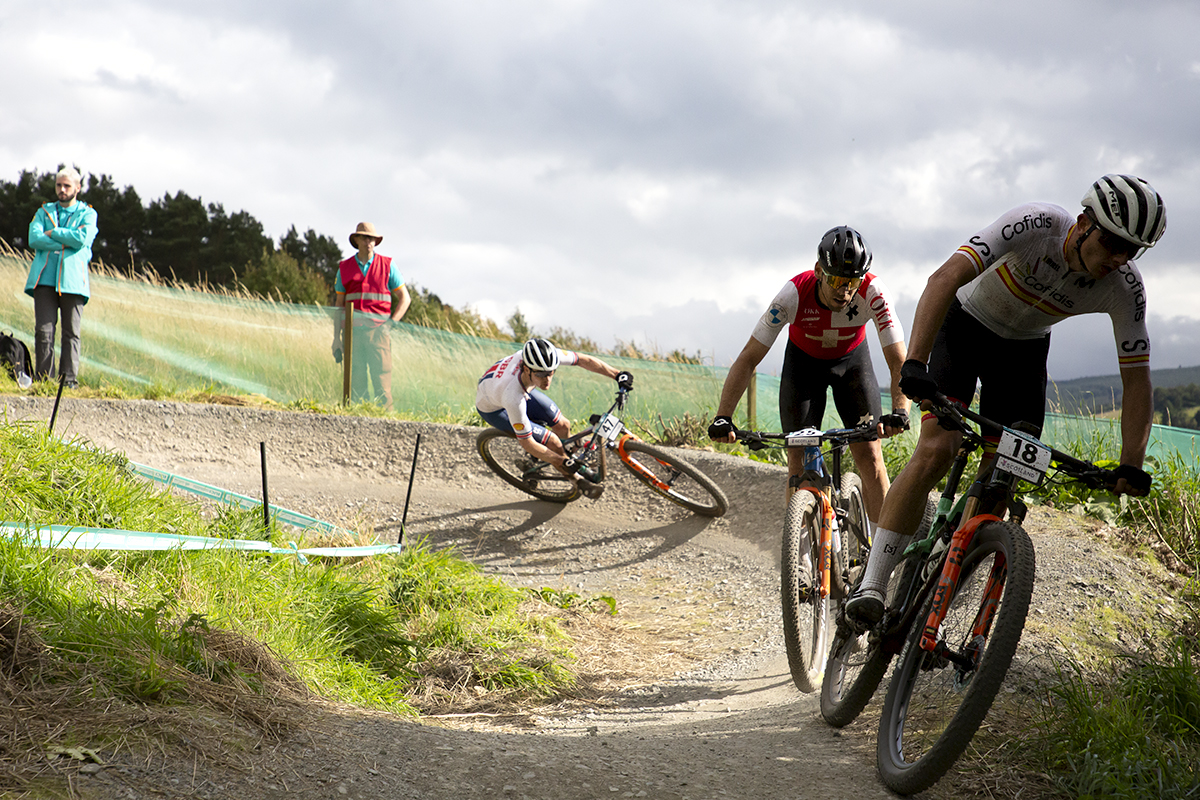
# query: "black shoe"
591,491
864,610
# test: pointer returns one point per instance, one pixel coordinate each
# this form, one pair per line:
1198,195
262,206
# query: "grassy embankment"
97,647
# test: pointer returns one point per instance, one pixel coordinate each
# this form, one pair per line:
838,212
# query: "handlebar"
809,437
953,415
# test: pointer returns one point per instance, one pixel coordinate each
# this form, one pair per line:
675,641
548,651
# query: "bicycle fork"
948,581
826,543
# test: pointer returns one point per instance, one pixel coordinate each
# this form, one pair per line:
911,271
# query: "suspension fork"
948,581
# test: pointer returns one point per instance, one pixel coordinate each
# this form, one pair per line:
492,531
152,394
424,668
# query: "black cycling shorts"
1010,373
805,381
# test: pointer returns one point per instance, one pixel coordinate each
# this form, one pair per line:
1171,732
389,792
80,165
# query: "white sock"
886,548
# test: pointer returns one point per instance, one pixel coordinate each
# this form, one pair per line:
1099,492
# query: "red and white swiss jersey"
822,333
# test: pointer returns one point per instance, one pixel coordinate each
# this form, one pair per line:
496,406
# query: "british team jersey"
1022,285
826,334
500,387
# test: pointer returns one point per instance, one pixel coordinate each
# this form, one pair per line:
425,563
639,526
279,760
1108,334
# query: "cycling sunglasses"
537,373
837,282
1118,246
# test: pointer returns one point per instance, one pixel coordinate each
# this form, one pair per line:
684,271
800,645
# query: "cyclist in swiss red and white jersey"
511,396
828,308
984,319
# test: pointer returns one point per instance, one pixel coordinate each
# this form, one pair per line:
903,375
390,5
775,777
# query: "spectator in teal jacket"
61,237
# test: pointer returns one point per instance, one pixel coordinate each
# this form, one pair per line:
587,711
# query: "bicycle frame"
817,477
995,489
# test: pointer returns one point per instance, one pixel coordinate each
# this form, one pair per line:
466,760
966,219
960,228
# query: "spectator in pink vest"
375,288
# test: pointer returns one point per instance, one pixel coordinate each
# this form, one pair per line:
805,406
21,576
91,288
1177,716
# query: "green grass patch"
1133,735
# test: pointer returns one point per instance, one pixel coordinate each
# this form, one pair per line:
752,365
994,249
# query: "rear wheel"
856,666
674,479
503,453
858,662
937,700
805,612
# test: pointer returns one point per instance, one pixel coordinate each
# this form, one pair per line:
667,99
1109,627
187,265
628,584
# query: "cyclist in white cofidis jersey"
985,318
828,308
511,396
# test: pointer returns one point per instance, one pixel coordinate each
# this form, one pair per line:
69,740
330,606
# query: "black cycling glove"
915,381
625,379
897,419
1138,479
720,428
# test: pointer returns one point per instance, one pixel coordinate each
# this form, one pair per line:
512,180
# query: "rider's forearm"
738,379
735,386
894,355
593,364
1137,414
539,450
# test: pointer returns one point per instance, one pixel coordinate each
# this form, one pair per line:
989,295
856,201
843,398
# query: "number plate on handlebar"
1022,456
809,437
610,428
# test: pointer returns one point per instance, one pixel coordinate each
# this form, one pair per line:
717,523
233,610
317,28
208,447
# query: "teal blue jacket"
61,240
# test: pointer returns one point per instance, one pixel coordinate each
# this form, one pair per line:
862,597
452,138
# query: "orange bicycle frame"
632,463
951,571
826,538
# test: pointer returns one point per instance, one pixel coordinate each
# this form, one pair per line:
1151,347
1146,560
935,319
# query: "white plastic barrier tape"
80,538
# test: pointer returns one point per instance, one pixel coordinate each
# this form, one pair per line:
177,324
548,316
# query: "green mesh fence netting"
138,333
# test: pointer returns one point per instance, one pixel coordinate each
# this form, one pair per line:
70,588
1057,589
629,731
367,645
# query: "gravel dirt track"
713,712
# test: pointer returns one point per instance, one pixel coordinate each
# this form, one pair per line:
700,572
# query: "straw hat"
365,229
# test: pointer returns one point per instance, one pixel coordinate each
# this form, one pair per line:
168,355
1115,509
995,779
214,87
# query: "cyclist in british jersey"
984,318
512,396
828,308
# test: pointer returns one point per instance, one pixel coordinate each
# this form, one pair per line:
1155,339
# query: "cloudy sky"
650,171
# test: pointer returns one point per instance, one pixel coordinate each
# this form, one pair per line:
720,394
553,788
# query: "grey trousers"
47,303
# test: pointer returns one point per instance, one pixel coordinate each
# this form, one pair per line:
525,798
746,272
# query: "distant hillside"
1102,392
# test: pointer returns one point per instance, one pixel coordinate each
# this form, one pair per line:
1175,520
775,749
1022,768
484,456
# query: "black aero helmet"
1128,207
540,355
843,252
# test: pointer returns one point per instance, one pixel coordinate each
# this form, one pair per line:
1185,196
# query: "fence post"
752,401
347,351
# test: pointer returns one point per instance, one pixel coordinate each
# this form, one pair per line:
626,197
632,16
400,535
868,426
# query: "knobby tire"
676,480
806,618
504,455
933,707
858,662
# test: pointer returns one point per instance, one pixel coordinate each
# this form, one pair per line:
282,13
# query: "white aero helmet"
540,355
1128,207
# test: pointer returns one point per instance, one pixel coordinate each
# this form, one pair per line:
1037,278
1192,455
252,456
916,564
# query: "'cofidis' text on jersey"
1022,284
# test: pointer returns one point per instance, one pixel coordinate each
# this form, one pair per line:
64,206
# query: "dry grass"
52,718
611,656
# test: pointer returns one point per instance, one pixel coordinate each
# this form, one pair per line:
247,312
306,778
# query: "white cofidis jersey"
823,333
1022,284
500,387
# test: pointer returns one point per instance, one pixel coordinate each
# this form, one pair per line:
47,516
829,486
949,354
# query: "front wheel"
503,453
805,612
674,479
937,700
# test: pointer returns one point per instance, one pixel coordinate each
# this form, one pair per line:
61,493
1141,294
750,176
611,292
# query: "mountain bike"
956,607
826,537
663,473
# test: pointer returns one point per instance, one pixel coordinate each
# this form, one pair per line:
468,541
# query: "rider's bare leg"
868,458
903,507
